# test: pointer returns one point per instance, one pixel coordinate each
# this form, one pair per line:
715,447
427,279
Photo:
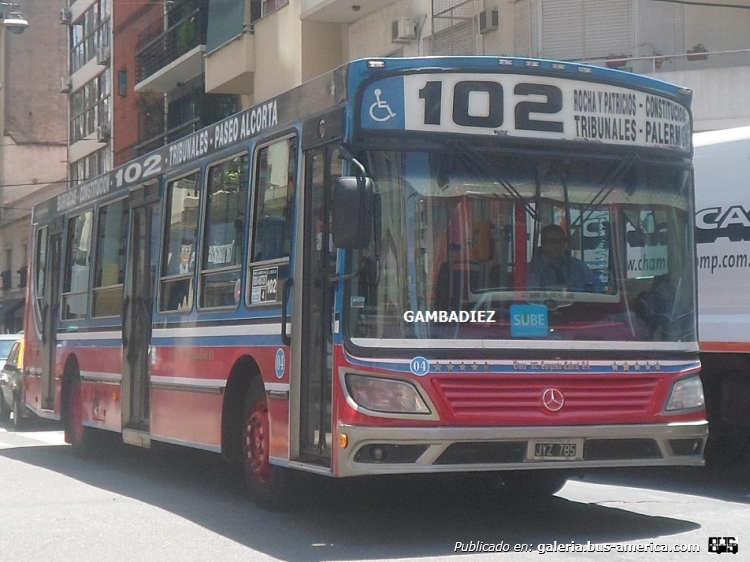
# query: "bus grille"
518,399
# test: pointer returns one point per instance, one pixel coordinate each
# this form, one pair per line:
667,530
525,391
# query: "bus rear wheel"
268,485
76,433
534,483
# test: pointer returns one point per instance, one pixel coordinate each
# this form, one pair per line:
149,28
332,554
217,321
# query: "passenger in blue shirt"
554,268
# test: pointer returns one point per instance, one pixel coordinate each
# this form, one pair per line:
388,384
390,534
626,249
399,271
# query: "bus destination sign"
524,106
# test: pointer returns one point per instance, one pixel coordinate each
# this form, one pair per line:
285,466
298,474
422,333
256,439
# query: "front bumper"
401,450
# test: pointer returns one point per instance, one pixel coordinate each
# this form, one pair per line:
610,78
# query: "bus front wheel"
269,486
76,433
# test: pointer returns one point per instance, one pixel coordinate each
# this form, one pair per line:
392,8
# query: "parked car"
11,384
6,342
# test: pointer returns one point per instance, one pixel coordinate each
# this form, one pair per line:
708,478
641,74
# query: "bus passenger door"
137,313
314,315
50,312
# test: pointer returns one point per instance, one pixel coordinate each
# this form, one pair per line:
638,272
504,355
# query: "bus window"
224,226
179,243
77,262
109,272
276,177
41,264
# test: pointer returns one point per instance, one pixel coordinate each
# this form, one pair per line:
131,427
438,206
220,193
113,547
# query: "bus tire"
79,436
269,486
534,483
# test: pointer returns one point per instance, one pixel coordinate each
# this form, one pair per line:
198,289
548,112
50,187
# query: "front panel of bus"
466,346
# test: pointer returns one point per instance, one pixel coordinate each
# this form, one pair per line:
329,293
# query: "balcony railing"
677,62
182,130
169,46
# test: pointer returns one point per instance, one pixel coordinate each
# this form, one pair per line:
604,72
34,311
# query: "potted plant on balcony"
697,52
617,61
659,60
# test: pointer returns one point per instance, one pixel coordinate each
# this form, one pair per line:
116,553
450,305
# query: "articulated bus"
343,280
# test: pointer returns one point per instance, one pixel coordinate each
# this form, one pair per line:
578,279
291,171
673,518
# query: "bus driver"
552,267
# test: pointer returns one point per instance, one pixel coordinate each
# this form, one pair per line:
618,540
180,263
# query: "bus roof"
314,97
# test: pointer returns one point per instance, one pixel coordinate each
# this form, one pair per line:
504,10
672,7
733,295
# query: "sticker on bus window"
529,321
264,285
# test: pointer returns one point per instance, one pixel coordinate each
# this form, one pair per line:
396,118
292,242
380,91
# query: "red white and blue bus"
340,280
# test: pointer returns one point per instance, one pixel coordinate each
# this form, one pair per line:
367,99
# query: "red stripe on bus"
731,346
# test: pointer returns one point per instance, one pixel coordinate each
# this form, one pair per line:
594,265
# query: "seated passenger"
554,268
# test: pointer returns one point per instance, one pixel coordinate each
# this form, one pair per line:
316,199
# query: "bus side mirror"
352,212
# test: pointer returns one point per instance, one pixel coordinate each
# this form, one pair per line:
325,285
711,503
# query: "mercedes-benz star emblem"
553,399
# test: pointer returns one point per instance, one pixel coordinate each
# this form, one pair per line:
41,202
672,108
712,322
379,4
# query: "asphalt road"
177,504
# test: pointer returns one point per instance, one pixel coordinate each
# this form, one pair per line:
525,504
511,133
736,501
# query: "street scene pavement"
170,503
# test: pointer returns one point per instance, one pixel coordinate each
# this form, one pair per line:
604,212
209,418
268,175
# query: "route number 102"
432,94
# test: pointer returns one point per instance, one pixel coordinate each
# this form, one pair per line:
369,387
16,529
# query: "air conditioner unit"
403,30
65,16
65,85
102,133
103,55
489,20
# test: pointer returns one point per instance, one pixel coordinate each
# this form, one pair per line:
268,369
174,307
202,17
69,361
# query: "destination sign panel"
516,105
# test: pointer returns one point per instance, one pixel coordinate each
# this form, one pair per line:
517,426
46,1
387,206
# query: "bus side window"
179,243
109,266
78,259
276,178
223,233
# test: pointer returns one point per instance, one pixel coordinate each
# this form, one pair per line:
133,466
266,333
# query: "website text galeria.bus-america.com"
572,546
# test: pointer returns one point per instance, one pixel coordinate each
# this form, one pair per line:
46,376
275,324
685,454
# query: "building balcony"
715,77
230,69
173,57
341,11
164,138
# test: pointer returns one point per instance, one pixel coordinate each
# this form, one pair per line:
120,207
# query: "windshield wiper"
483,164
607,185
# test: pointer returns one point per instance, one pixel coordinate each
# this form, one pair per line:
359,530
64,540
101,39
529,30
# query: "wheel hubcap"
256,443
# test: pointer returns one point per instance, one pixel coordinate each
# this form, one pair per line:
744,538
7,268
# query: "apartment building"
34,142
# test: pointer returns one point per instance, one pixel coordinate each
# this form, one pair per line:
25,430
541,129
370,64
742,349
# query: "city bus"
340,280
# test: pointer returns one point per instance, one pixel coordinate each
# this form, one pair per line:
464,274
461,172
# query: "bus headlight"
687,394
385,395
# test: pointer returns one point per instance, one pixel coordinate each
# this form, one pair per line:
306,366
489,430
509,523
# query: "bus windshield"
473,245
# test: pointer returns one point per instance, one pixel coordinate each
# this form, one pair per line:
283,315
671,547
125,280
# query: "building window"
89,34
91,166
89,107
122,83
7,274
268,6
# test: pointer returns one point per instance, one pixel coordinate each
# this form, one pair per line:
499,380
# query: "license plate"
553,450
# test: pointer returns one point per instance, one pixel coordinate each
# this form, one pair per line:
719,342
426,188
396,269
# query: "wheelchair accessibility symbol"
380,111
